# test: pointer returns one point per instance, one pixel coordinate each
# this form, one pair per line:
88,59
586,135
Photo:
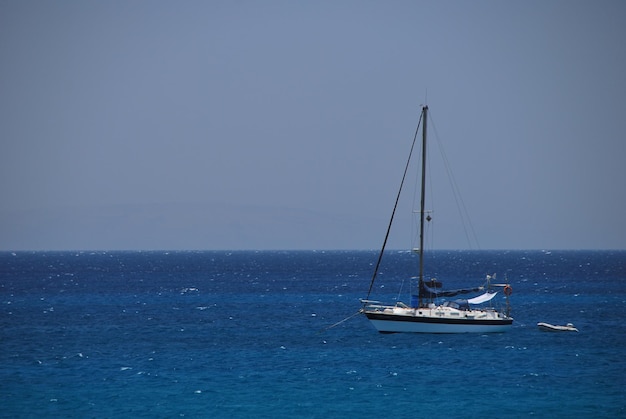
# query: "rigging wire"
382,250
402,289
466,221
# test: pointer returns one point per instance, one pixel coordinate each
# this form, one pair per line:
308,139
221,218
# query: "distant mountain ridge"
183,226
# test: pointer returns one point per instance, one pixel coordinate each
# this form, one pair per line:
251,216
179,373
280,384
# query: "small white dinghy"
547,327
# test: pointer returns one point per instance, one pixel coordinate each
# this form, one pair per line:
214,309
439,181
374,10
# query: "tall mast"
423,194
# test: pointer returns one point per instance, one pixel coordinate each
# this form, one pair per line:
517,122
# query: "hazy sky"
286,124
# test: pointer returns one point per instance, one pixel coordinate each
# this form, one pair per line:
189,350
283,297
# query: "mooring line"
339,322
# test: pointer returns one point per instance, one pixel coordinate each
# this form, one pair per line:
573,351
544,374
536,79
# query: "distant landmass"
185,226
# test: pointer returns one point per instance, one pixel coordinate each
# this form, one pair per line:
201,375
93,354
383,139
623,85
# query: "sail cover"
482,298
428,292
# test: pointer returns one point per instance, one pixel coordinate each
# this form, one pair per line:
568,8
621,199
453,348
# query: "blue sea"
248,334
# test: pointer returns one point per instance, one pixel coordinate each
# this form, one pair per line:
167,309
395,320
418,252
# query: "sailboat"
425,313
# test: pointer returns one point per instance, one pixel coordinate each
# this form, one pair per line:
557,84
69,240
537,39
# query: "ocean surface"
247,334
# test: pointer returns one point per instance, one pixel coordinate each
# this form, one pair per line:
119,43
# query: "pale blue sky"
286,124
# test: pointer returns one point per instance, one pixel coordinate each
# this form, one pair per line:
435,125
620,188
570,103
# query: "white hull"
547,327
437,320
